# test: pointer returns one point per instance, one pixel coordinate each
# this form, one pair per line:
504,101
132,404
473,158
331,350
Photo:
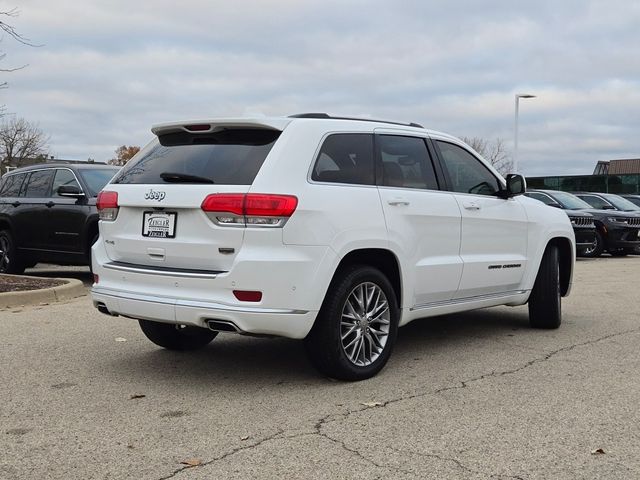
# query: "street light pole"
515,129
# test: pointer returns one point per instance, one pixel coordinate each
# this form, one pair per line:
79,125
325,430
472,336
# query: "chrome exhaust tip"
223,326
102,308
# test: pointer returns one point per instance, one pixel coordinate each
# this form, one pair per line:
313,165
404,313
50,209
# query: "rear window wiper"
172,177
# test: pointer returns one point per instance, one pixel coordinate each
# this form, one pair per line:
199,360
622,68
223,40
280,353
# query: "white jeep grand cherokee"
332,230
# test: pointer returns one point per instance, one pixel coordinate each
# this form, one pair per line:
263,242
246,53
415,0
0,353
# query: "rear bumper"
250,320
292,279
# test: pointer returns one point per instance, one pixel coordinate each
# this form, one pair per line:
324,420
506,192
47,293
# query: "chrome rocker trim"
457,301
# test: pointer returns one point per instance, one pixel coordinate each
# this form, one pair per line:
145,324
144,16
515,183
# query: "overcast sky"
108,70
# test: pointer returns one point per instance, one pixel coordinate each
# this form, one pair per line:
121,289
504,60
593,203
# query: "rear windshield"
227,157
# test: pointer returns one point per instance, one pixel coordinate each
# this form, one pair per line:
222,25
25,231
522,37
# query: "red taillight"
107,205
248,295
264,205
224,202
96,278
107,199
259,209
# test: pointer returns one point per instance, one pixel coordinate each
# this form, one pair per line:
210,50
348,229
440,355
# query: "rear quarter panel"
338,216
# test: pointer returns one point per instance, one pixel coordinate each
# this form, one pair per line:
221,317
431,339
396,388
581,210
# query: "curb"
72,288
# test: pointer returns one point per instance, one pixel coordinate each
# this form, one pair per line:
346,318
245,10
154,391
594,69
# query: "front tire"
597,248
356,328
545,305
176,337
9,259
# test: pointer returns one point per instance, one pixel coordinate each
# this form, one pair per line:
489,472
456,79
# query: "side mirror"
516,185
70,191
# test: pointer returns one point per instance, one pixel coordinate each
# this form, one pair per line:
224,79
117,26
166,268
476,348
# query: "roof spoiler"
208,126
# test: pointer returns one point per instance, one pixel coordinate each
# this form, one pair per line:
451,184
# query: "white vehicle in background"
332,230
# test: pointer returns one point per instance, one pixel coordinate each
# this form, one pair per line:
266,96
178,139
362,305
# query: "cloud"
109,70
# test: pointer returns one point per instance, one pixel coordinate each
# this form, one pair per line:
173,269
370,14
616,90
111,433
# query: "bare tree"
124,154
21,140
11,31
494,152
8,29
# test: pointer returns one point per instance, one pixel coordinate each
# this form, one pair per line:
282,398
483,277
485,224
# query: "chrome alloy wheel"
592,248
365,323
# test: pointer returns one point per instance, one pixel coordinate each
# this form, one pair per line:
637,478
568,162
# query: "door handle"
471,205
49,204
16,204
398,201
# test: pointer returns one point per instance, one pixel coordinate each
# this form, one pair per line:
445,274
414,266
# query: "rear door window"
39,183
226,157
345,158
406,162
11,185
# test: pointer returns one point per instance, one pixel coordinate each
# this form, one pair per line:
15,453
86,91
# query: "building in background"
609,176
623,166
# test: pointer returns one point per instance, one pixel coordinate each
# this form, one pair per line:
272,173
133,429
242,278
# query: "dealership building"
612,176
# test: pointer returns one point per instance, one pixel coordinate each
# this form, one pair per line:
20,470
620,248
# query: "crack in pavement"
318,431
458,463
233,451
465,383
336,417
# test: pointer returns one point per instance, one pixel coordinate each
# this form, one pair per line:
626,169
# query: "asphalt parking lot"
476,395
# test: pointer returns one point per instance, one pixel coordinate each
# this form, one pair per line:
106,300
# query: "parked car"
633,198
48,214
617,232
329,229
608,201
583,225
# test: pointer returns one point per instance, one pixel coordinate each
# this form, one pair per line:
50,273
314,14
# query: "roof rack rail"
326,115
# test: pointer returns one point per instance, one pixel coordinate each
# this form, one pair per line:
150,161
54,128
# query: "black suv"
48,214
583,224
617,232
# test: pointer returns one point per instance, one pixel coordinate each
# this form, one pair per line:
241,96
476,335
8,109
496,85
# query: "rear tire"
93,241
356,328
176,337
597,249
545,304
10,261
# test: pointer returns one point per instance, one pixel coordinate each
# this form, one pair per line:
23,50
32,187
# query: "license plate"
159,224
